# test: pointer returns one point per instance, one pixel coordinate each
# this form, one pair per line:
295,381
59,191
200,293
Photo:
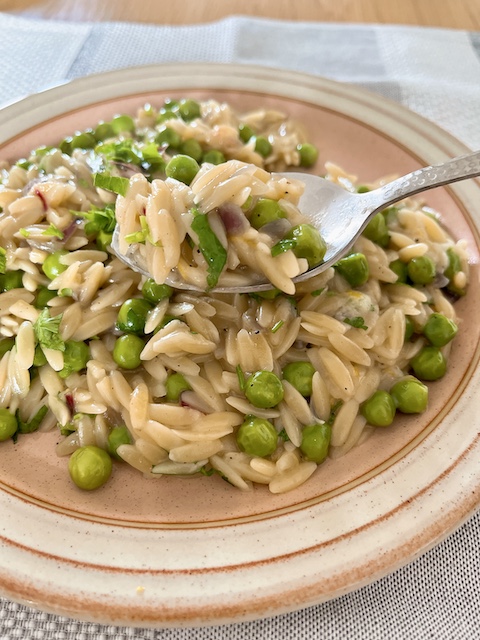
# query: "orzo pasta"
257,389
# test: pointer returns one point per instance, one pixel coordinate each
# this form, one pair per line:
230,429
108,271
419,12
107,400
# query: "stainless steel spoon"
341,216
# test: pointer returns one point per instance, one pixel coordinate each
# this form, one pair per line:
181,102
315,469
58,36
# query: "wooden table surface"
457,14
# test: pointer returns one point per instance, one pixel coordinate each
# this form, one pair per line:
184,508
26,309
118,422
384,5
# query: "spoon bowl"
340,215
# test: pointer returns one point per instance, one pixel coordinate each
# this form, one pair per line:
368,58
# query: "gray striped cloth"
435,72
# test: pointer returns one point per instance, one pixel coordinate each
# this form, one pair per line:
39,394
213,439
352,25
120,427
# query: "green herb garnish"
358,322
140,237
34,423
108,182
122,151
241,377
99,219
212,249
52,230
47,331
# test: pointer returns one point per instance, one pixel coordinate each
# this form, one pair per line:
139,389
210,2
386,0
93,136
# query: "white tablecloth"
432,71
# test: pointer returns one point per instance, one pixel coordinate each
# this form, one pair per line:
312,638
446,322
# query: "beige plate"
191,552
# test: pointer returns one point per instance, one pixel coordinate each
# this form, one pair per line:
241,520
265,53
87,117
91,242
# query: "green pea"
379,409
410,395
65,145
43,296
192,148
42,151
90,467
429,364
8,425
213,157
390,214
308,154
154,292
127,350
189,109
257,437
300,375
52,267
75,357
24,164
117,437
170,104
175,386
11,280
182,168
83,140
354,268
377,230
263,146
421,270
439,330
245,132
122,124
316,441
266,210
363,189
400,268
132,315
409,328
167,114
309,244
264,389
103,131
5,345
454,267
168,137
454,264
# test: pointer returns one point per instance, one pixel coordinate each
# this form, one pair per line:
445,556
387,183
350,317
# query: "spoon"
340,215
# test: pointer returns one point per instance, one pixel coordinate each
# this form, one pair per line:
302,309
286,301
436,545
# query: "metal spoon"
340,215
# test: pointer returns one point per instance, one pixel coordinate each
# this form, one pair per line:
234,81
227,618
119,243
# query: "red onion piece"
233,218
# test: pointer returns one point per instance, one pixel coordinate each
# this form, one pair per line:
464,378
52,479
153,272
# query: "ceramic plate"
189,552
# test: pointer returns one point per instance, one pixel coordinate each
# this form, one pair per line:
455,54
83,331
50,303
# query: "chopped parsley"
99,220
358,322
53,231
122,151
47,331
145,156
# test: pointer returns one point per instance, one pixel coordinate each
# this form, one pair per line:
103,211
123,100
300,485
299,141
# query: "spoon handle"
461,168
